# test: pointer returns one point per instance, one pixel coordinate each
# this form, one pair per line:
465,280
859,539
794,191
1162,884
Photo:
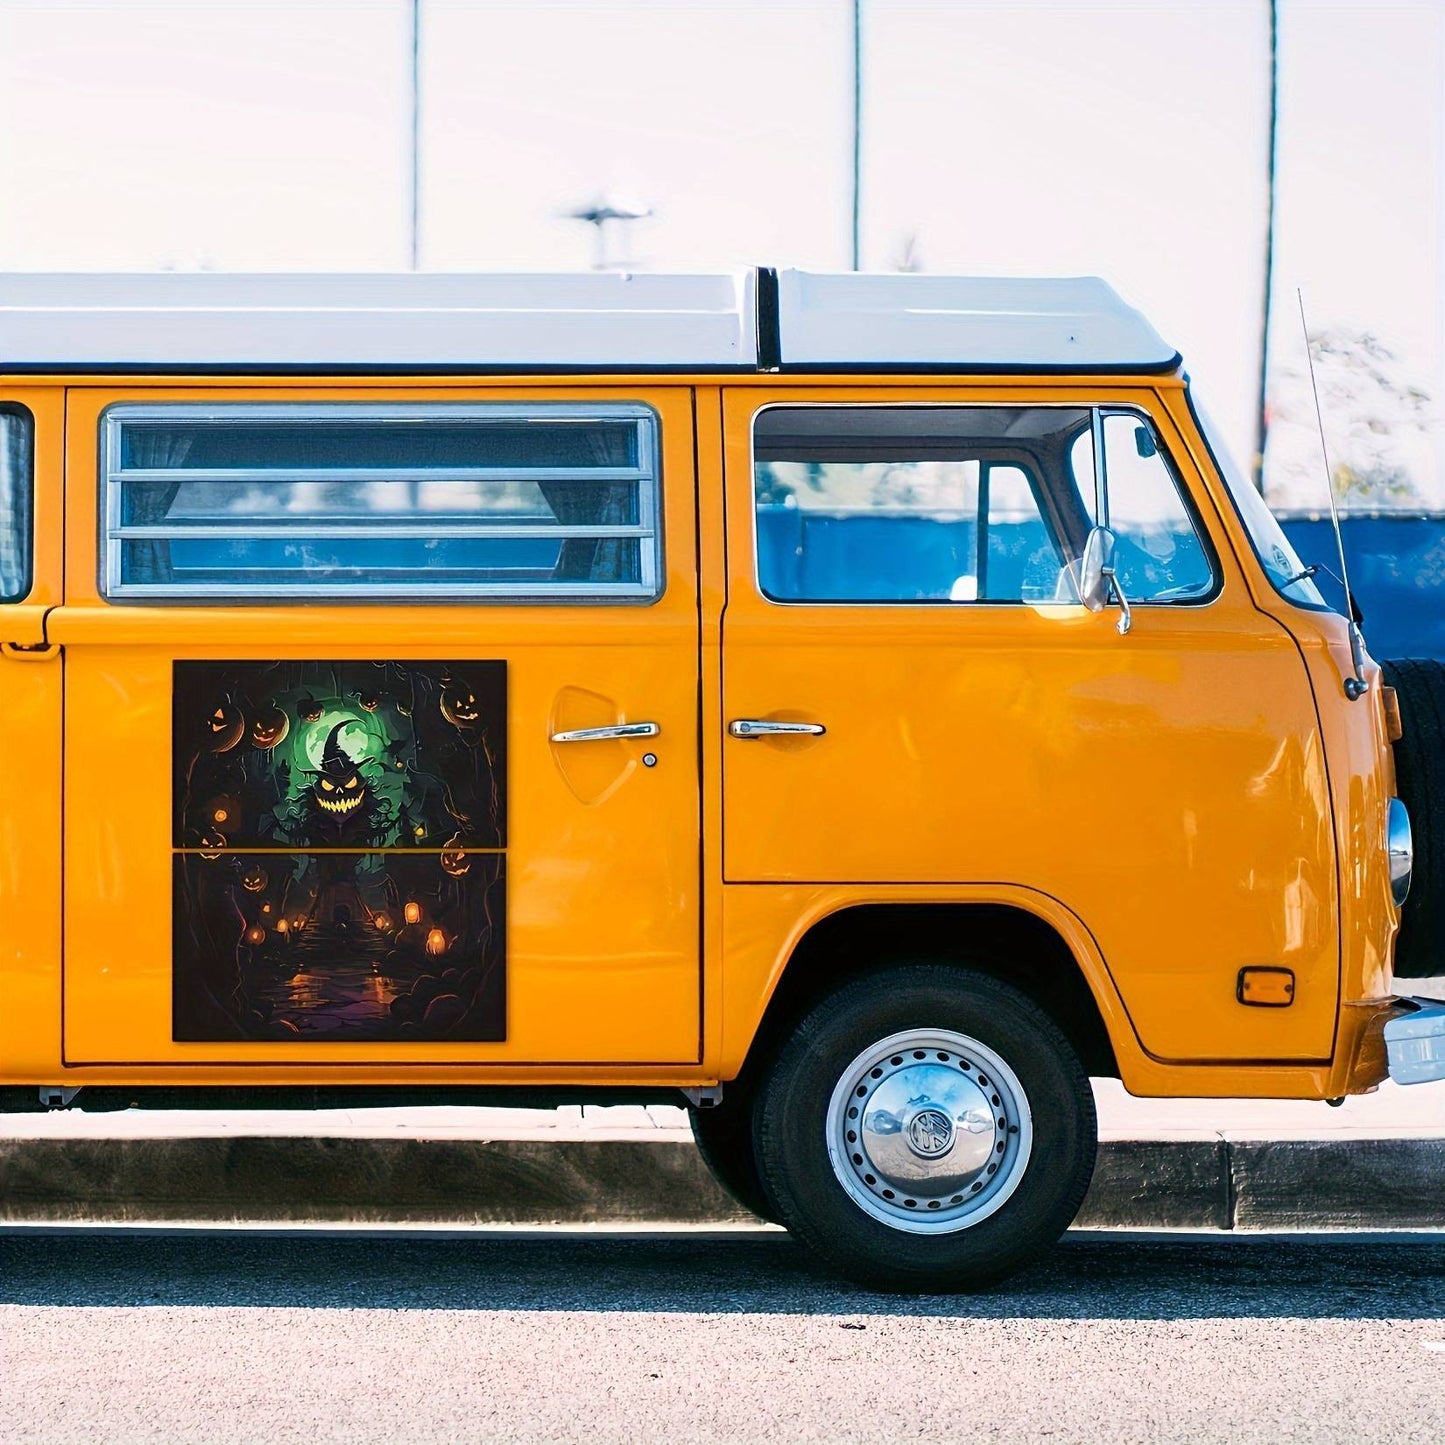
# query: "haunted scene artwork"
340,865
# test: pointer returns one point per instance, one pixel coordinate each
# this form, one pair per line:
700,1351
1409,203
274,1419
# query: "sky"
1124,139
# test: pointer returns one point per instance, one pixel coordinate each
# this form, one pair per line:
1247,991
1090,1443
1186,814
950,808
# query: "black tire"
724,1137
792,1116
1420,777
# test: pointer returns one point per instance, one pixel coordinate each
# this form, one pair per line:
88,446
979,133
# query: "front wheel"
926,1128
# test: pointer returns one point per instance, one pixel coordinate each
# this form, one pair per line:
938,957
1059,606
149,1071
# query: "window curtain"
596,504
15,486
148,559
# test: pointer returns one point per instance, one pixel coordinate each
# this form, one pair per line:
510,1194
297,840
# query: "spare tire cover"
1420,778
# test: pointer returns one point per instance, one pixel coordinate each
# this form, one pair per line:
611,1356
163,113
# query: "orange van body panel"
990,755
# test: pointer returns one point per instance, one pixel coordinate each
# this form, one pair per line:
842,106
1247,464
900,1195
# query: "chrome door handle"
751,727
618,730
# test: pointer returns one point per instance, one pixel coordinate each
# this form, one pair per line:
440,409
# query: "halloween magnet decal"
340,866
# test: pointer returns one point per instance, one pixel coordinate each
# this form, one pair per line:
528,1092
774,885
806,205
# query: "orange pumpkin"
223,727
460,706
269,727
454,858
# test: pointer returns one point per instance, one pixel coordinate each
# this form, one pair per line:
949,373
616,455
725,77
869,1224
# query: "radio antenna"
1356,686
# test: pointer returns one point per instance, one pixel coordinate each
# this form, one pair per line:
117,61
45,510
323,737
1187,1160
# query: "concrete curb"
1198,1183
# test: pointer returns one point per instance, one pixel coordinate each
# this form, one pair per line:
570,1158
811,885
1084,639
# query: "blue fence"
1397,568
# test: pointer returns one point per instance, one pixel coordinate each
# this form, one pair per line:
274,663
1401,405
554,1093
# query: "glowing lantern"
255,935
282,926
412,913
382,922
299,921
436,942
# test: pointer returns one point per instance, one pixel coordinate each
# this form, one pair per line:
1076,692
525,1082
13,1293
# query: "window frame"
1047,504
1098,412
646,476
26,518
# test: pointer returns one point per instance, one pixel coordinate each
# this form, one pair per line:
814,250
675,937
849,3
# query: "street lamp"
601,214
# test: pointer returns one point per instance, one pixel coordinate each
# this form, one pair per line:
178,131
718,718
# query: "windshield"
1276,555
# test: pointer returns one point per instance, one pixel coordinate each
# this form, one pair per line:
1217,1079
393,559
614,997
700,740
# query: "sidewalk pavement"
1377,1162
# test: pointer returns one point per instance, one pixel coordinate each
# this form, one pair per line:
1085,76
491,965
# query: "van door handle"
753,727
30,651
619,730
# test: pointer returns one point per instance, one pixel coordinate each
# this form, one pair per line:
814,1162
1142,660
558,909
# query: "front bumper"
1415,1042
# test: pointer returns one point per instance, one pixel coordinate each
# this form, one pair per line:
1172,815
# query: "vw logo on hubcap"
930,1132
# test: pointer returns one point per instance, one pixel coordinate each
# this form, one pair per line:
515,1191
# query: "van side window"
1160,557
533,502
915,504
17,483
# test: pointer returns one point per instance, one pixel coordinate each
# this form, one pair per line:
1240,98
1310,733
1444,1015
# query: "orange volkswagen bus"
866,706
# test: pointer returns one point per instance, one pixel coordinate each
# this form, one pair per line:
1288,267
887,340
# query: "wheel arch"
1049,958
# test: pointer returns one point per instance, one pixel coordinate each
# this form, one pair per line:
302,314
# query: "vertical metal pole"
857,127
1101,469
1261,433
980,564
414,10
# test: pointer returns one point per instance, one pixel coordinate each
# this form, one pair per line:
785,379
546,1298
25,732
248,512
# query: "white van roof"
740,320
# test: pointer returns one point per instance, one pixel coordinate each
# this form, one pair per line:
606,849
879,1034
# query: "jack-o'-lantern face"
460,706
223,727
453,857
339,789
254,879
213,844
368,701
309,710
269,727
339,796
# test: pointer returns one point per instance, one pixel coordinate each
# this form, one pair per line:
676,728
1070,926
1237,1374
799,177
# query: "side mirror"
1096,569
1098,579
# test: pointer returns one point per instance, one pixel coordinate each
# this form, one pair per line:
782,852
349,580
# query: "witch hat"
336,762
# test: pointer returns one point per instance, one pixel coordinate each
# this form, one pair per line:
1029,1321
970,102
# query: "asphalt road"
399,1337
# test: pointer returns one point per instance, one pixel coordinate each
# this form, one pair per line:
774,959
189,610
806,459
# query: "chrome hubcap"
929,1131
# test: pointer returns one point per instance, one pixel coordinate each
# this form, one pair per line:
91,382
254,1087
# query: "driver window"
1159,556
944,504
